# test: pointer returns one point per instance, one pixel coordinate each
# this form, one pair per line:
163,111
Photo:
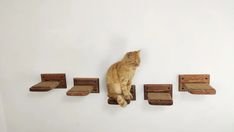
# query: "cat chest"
130,73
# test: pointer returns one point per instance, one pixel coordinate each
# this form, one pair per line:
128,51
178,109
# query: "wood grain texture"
94,82
199,88
196,84
192,78
80,91
60,77
158,94
49,82
84,86
44,86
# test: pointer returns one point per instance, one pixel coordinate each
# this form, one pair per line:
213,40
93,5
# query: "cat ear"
128,54
138,51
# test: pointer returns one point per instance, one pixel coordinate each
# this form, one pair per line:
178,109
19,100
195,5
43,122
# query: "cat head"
132,58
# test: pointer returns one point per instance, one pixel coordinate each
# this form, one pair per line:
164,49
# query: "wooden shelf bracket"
158,94
49,82
84,86
196,84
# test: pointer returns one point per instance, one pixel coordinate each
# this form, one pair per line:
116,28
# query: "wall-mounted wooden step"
84,86
158,94
49,82
196,84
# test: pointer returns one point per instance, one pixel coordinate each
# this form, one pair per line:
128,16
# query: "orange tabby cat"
119,77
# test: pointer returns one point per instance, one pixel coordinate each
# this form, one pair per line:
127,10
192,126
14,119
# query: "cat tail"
121,101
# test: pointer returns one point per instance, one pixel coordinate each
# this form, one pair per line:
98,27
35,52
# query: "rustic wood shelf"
133,92
158,94
196,84
49,82
84,86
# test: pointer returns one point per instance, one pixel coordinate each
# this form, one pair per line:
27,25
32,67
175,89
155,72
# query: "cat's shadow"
40,94
152,108
111,109
73,99
115,109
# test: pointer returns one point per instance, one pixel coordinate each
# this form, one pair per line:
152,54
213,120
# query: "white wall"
84,37
2,117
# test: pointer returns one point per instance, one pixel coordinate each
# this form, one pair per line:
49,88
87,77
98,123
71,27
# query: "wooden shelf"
158,94
84,86
196,84
49,82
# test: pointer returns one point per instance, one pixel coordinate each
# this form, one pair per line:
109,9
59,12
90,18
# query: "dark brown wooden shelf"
49,82
84,86
196,84
158,94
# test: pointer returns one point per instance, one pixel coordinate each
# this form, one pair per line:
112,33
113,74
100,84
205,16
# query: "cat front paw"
131,96
128,96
